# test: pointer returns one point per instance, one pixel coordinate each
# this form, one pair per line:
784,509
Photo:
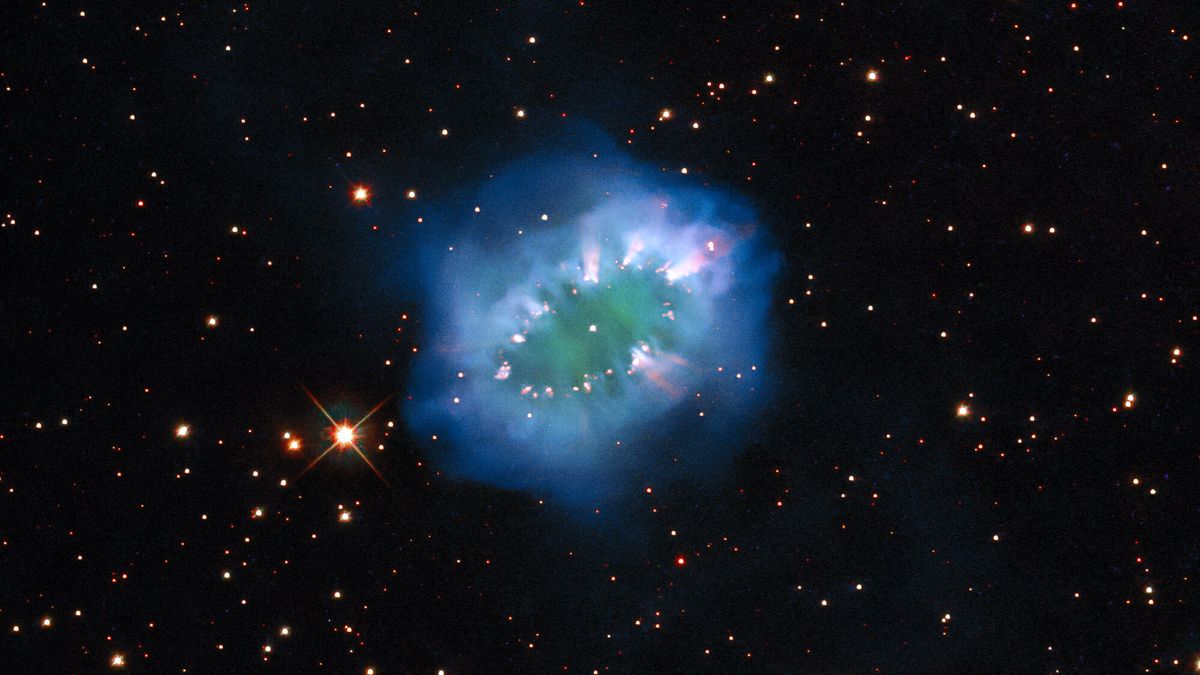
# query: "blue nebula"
592,326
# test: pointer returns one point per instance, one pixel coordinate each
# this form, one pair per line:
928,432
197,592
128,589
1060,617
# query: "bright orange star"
360,194
344,435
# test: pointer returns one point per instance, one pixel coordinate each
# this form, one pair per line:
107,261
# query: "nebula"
592,327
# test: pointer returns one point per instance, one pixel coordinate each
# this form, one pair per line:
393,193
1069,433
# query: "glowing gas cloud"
592,327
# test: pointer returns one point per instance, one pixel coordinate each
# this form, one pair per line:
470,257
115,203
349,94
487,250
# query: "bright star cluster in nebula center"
568,342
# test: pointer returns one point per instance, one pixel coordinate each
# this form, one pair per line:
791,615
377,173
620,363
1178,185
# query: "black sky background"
436,574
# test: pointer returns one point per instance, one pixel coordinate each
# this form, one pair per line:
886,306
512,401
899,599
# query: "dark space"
978,454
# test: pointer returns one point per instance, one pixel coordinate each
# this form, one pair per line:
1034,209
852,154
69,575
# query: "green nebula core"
593,333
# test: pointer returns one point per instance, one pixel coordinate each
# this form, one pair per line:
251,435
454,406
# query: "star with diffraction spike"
344,435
